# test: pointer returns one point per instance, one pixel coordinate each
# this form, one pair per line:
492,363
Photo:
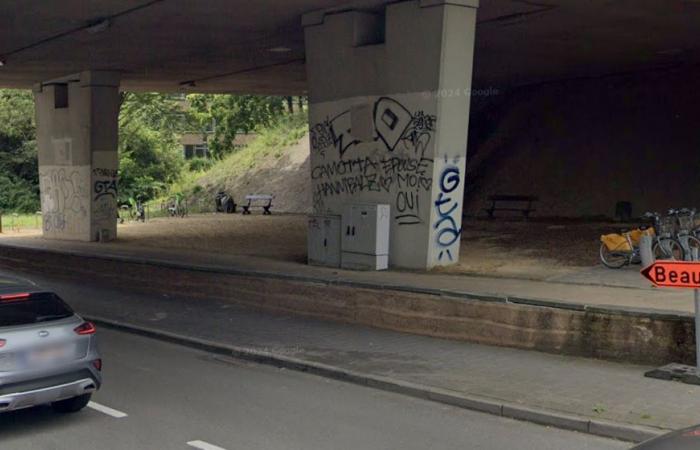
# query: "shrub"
200,164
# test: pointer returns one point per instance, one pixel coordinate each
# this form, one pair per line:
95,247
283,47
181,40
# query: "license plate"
50,355
7,362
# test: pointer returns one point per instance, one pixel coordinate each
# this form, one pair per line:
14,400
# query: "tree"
149,150
220,117
160,112
150,158
19,171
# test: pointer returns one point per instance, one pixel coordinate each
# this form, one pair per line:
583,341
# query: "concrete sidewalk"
623,289
609,398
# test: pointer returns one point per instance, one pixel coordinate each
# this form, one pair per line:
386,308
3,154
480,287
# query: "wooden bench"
520,203
263,201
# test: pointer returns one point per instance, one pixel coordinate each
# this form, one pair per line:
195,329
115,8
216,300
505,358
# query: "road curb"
603,428
451,293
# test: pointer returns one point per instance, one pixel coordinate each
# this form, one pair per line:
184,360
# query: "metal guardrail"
156,209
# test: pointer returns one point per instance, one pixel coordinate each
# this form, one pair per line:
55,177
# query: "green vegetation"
19,222
151,161
283,132
199,164
19,175
150,157
228,115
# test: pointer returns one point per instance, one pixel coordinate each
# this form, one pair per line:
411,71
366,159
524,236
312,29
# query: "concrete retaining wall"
640,337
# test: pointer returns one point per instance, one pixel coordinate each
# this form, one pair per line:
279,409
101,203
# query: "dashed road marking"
107,410
204,445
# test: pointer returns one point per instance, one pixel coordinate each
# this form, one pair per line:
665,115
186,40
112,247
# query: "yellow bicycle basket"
618,242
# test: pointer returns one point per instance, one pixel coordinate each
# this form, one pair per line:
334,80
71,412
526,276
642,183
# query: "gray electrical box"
365,236
324,241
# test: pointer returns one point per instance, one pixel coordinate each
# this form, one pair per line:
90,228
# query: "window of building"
196,151
201,151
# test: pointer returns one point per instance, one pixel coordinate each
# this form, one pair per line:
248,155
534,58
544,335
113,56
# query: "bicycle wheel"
613,260
693,242
668,249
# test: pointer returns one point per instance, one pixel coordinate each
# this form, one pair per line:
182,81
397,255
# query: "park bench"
520,203
263,201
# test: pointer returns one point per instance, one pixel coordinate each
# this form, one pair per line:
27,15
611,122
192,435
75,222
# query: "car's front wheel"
71,405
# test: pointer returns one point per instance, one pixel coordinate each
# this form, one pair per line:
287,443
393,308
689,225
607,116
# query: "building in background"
194,145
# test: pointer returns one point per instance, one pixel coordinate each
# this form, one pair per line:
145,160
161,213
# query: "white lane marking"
107,410
203,445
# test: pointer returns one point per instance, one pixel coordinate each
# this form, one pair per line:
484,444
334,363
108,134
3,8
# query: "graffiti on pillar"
335,133
104,188
447,206
405,178
407,208
395,125
412,179
64,198
319,203
104,194
395,164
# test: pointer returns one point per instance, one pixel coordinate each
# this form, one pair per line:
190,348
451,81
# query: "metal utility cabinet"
324,241
365,236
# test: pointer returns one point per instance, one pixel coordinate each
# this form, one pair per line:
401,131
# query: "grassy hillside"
276,162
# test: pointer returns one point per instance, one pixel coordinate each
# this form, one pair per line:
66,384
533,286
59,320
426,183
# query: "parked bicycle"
620,249
134,210
177,206
665,245
686,231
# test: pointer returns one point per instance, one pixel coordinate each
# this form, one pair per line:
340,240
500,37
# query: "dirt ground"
502,246
280,236
534,249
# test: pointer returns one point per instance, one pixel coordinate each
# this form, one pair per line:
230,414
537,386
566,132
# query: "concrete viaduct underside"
258,46
390,87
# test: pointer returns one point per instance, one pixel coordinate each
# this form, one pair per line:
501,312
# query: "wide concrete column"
389,111
77,133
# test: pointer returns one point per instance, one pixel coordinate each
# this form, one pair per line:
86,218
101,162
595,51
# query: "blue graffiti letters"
446,204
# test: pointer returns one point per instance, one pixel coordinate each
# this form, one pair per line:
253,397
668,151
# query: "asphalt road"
179,398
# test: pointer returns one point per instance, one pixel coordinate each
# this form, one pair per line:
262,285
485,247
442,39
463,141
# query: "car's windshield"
38,307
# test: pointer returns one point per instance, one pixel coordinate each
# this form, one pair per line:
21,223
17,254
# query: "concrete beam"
467,3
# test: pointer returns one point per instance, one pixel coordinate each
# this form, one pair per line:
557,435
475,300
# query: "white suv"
48,354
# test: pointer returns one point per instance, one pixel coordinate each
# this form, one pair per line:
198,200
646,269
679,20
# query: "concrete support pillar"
77,134
389,112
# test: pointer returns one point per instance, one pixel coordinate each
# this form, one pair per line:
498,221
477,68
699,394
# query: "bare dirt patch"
277,236
535,249
532,249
